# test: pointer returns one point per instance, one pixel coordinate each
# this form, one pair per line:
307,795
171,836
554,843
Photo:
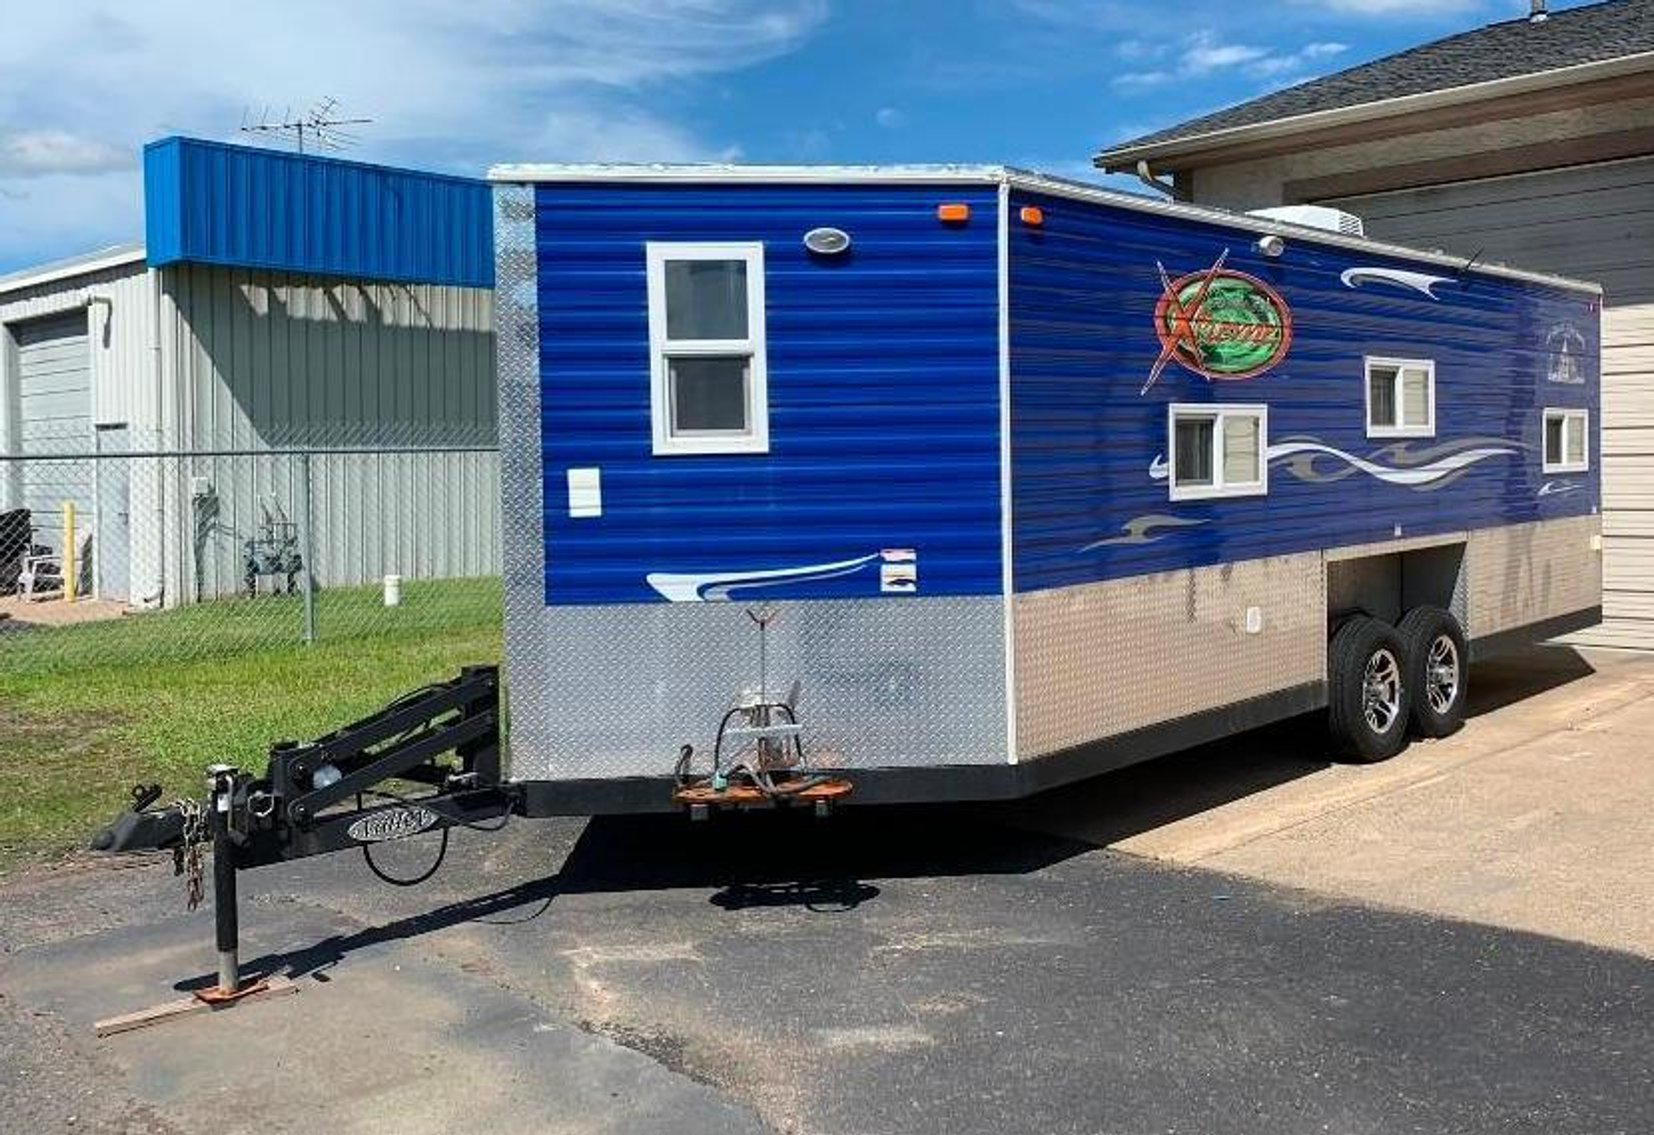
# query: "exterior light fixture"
827,241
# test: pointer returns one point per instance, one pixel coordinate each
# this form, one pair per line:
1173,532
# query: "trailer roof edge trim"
715,173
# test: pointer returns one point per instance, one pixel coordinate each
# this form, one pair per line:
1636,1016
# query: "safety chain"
186,857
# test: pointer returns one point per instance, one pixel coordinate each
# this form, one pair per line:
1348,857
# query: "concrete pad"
1537,816
384,1040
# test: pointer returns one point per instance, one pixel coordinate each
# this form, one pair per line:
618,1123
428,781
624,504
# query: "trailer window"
1401,398
708,379
1218,450
1566,449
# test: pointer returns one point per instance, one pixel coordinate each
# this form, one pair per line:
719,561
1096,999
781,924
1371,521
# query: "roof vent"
1314,217
1536,12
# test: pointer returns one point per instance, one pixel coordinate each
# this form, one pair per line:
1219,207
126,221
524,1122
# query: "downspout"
158,599
1147,178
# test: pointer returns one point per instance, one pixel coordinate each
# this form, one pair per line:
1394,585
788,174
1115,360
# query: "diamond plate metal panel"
522,520
616,689
1105,658
1525,573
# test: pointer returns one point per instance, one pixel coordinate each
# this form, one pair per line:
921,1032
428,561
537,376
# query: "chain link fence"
113,552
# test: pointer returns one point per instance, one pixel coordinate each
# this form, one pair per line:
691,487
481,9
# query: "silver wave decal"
1424,469
1421,282
1144,530
698,587
397,822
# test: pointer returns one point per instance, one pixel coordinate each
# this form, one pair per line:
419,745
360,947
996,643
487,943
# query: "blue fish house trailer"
976,481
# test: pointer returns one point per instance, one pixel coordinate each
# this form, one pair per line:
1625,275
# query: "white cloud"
451,86
41,153
1204,53
1395,7
889,117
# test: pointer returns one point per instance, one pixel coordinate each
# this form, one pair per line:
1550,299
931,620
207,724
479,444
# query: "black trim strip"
1529,633
957,783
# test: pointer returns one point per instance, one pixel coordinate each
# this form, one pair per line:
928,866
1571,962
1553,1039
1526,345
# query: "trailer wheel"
1436,669
1368,698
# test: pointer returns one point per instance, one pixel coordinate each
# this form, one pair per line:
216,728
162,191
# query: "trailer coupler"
427,762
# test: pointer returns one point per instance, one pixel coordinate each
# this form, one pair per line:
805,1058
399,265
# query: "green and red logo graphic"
1219,323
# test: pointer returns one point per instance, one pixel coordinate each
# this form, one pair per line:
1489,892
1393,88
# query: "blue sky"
460,86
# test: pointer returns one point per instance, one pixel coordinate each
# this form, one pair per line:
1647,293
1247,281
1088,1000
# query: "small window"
708,380
1566,450
1401,398
1218,450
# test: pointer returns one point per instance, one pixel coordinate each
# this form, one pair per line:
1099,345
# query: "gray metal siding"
1591,222
272,361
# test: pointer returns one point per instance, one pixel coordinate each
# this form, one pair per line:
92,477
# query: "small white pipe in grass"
393,591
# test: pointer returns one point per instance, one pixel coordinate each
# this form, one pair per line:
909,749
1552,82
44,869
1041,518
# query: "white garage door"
1595,223
54,388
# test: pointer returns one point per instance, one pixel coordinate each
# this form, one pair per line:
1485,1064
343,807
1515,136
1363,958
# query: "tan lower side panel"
1526,573
1106,658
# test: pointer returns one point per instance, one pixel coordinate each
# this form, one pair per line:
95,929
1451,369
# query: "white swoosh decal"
1551,488
1416,475
1401,277
698,587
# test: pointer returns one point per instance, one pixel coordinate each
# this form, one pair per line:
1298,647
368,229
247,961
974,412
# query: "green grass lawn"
88,711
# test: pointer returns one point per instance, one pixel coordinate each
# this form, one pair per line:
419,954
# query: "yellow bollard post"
69,566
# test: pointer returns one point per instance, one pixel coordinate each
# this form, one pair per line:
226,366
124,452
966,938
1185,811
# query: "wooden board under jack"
188,1006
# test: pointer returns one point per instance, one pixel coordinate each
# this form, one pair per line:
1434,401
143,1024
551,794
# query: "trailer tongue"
426,763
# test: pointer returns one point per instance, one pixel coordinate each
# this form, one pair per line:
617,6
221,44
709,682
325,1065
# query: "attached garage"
1595,222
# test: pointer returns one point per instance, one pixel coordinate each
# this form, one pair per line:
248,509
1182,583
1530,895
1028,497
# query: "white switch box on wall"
585,492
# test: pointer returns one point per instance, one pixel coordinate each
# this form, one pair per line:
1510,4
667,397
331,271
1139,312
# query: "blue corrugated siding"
883,392
1083,293
234,206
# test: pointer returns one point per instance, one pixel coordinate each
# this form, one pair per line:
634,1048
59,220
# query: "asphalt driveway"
1241,939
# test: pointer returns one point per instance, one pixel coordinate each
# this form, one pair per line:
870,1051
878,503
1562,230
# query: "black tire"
1437,670
1362,650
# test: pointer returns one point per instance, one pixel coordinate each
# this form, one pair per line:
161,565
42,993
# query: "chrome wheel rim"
1441,674
1381,691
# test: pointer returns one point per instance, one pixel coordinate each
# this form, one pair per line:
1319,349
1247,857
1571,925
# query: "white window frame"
668,442
1564,465
1429,367
1218,487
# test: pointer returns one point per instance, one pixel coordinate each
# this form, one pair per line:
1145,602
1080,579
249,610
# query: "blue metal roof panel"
234,206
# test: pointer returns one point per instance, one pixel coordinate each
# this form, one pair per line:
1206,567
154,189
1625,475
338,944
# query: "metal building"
300,338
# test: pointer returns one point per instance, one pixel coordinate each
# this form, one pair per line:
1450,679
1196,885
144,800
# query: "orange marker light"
953,212
1032,215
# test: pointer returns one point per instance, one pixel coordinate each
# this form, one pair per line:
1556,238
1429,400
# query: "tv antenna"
322,125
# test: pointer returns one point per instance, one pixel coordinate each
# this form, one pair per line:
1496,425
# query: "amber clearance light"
953,212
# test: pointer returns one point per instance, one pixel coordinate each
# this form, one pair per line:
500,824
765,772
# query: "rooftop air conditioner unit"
1314,217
